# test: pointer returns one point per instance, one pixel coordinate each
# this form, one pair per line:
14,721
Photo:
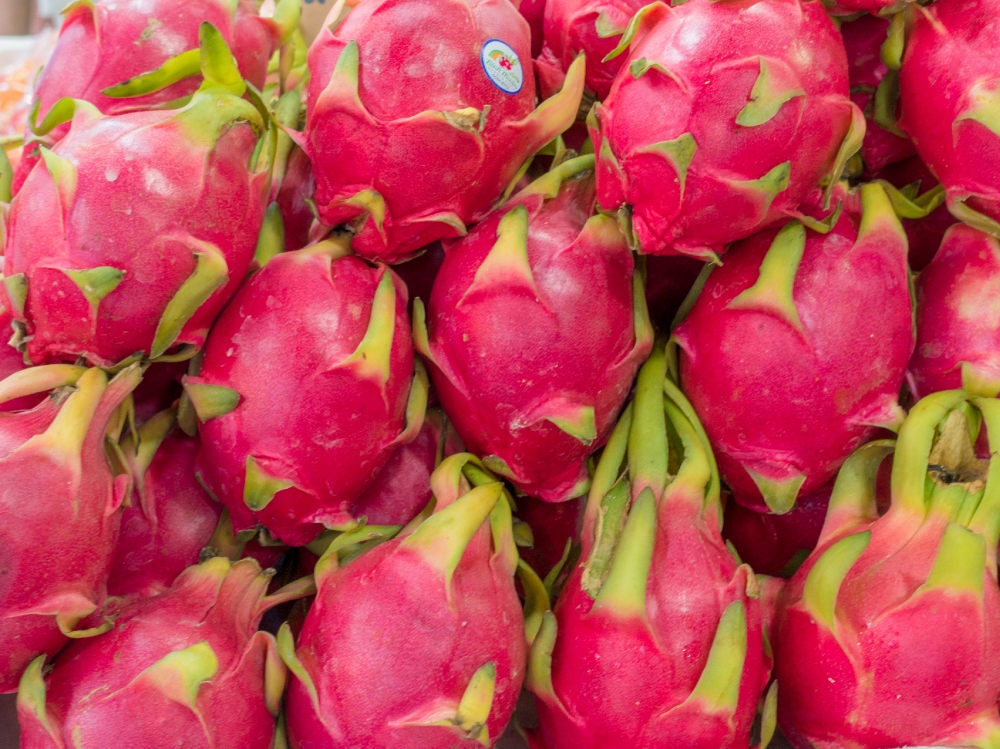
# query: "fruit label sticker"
502,66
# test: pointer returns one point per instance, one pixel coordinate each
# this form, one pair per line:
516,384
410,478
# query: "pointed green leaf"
210,273
474,708
506,265
16,287
6,178
536,599
95,283
648,449
606,28
767,96
286,649
679,152
218,66
624,592
64,174
645,16
31,695
877,214
180,674
371,359
773,290
260,487
173,69
778,494
960,564
211,401
766,188
271,240
718,687
550,182
819,595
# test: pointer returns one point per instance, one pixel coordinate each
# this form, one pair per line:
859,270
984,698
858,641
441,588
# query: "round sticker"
502,66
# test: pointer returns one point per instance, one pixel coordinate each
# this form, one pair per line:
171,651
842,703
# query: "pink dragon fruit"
787,377
924,233
431,651
172,517
947,87
58,484
706,138
656,641
403,487
958,317
589,27
775,544
147,50
859,611
875,89
534,13
12,361
420,115
183,668
538,310
291,439
159,390
132,233
553,526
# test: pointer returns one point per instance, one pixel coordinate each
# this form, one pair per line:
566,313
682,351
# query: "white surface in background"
12,47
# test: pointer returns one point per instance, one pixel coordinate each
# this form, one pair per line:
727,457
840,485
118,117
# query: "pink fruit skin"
783,403
159,390
947,60
552,525
403,487
534,13
417,60
11,361
367,688
110,41
880,681
297,186
958,314
767,541
697,210
505,358
623,679
924,234
863,40
105,691
172,518
57,557
145,215
308,416
571,29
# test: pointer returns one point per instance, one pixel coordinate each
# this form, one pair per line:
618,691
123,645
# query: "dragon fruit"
132,233
12,361
159,390
403,487
183,668
656,640
534,13
58,484
875,89
291,437
538,310
669,279
147,50
787,377
775,544
706,138
589,27
431,651
420,115
947,87
553,526
860,609
419,273
172,517
958,317
924,232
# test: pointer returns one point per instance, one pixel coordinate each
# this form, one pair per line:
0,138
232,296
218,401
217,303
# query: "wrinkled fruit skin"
56,480
403,487
751,366
144,195
367,691
319,422
863,40
172,518
433,165
110,41
184,668
670,147
571,29
946,92
552,338
923,234
769,542
958,316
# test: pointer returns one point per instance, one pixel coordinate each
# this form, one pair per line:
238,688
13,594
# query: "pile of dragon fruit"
634,363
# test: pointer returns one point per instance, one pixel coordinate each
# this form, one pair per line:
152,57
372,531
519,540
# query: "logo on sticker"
502,66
